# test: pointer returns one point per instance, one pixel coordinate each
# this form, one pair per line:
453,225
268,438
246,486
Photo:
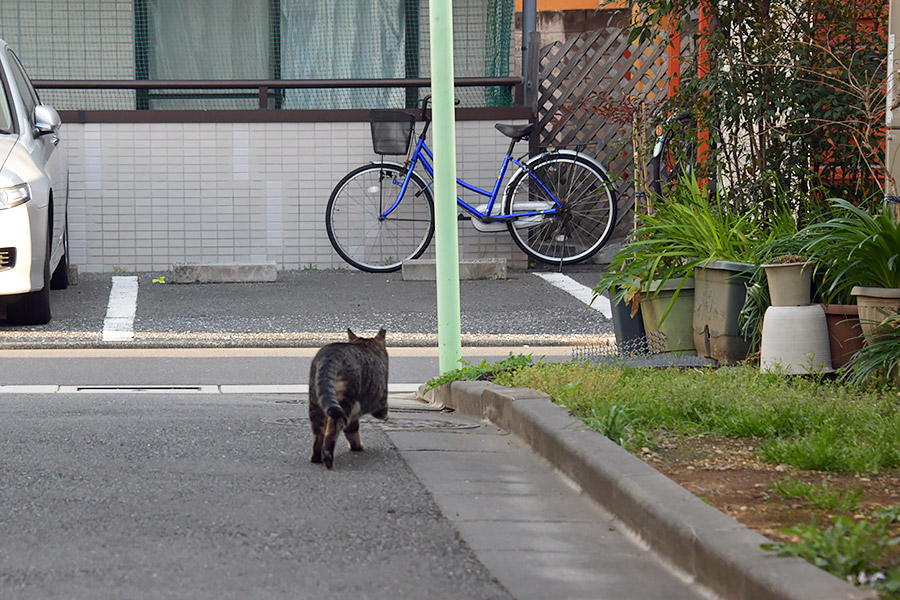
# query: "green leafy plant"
689,229
619,424
783,241
855,248
844,548
891,514
795,89
880,356
484,371
820,496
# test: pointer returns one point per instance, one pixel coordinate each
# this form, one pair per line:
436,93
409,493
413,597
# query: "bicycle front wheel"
584,218
360,231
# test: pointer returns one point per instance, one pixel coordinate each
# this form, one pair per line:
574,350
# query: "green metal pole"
445,235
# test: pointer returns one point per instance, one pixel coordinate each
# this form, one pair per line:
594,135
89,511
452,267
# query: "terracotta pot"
789,283
844,332
875,304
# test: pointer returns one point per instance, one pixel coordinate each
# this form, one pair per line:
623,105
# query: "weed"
845,548
619,424
482,371
820,496
311,267
891,514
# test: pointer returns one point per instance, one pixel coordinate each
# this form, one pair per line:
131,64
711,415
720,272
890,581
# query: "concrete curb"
425,269
714,549
263,272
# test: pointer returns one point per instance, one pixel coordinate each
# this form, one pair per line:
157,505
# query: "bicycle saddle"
516,132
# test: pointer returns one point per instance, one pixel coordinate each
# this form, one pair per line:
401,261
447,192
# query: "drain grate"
393,424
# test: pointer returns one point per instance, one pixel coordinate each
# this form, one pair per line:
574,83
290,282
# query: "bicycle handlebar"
425,102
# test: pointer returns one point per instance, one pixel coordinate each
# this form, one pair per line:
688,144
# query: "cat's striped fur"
346,381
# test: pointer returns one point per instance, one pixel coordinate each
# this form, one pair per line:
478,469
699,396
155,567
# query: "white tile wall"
146,196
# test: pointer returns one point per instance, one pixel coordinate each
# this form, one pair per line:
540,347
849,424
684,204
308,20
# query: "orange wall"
575,4
562,4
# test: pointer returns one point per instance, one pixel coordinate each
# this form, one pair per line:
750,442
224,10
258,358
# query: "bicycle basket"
391,131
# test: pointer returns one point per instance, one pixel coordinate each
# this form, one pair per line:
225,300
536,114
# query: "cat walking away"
346,381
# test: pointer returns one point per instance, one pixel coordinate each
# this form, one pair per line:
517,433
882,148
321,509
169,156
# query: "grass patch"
820,496
820,425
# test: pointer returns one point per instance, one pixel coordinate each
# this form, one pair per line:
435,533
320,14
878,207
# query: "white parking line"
582,292
118,326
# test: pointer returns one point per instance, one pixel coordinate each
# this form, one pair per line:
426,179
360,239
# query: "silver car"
33,198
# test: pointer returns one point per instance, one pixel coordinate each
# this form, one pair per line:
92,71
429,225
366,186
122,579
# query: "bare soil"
728,474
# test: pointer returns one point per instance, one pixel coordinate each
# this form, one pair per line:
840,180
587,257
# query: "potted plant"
859,253
790,280
692,244
881,356
782,254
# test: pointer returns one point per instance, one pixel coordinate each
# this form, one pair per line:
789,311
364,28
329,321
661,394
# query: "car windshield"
5,116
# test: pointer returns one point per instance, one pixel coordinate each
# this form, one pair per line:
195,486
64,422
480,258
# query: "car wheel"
60,278
32,308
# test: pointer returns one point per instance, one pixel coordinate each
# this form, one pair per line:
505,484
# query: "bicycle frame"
423,154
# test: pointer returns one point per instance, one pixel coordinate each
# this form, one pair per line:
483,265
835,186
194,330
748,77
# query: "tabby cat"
346,381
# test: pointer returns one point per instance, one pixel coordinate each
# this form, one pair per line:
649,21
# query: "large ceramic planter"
845,335
789,283
720,289
875,305
795,340
677,327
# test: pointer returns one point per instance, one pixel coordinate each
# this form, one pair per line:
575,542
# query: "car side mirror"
46,120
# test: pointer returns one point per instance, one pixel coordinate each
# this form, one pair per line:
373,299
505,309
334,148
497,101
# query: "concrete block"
424,269
224,273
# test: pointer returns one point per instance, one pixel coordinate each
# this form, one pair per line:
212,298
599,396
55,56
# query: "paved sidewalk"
529,526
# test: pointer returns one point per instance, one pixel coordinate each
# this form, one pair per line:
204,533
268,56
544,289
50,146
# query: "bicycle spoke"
361,236
583,220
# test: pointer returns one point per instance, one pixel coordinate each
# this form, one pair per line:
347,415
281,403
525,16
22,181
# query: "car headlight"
15,195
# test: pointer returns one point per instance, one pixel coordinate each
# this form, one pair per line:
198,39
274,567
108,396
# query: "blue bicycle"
559,206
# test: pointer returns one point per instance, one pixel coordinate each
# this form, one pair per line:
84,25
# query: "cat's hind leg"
333,429
351,432
317,422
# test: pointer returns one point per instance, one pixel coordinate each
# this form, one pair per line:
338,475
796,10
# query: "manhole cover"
391,425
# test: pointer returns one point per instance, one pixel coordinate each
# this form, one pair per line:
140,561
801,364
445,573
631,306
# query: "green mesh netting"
251,39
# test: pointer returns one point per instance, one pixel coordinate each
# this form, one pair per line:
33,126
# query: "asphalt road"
129,496
209,494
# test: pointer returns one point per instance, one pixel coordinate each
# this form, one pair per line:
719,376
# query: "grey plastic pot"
720,289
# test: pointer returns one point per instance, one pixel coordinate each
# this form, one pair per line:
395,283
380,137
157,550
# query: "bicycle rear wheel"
357,230
675,155
583,222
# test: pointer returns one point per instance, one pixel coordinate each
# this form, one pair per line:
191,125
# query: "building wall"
144,197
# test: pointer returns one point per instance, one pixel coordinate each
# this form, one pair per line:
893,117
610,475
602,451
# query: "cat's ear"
381,335
351,335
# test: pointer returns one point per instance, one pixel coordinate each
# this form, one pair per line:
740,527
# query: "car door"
46,153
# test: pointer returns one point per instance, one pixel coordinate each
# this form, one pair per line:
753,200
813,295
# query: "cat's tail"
326,391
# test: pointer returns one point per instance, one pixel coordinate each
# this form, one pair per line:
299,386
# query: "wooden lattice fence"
589,87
